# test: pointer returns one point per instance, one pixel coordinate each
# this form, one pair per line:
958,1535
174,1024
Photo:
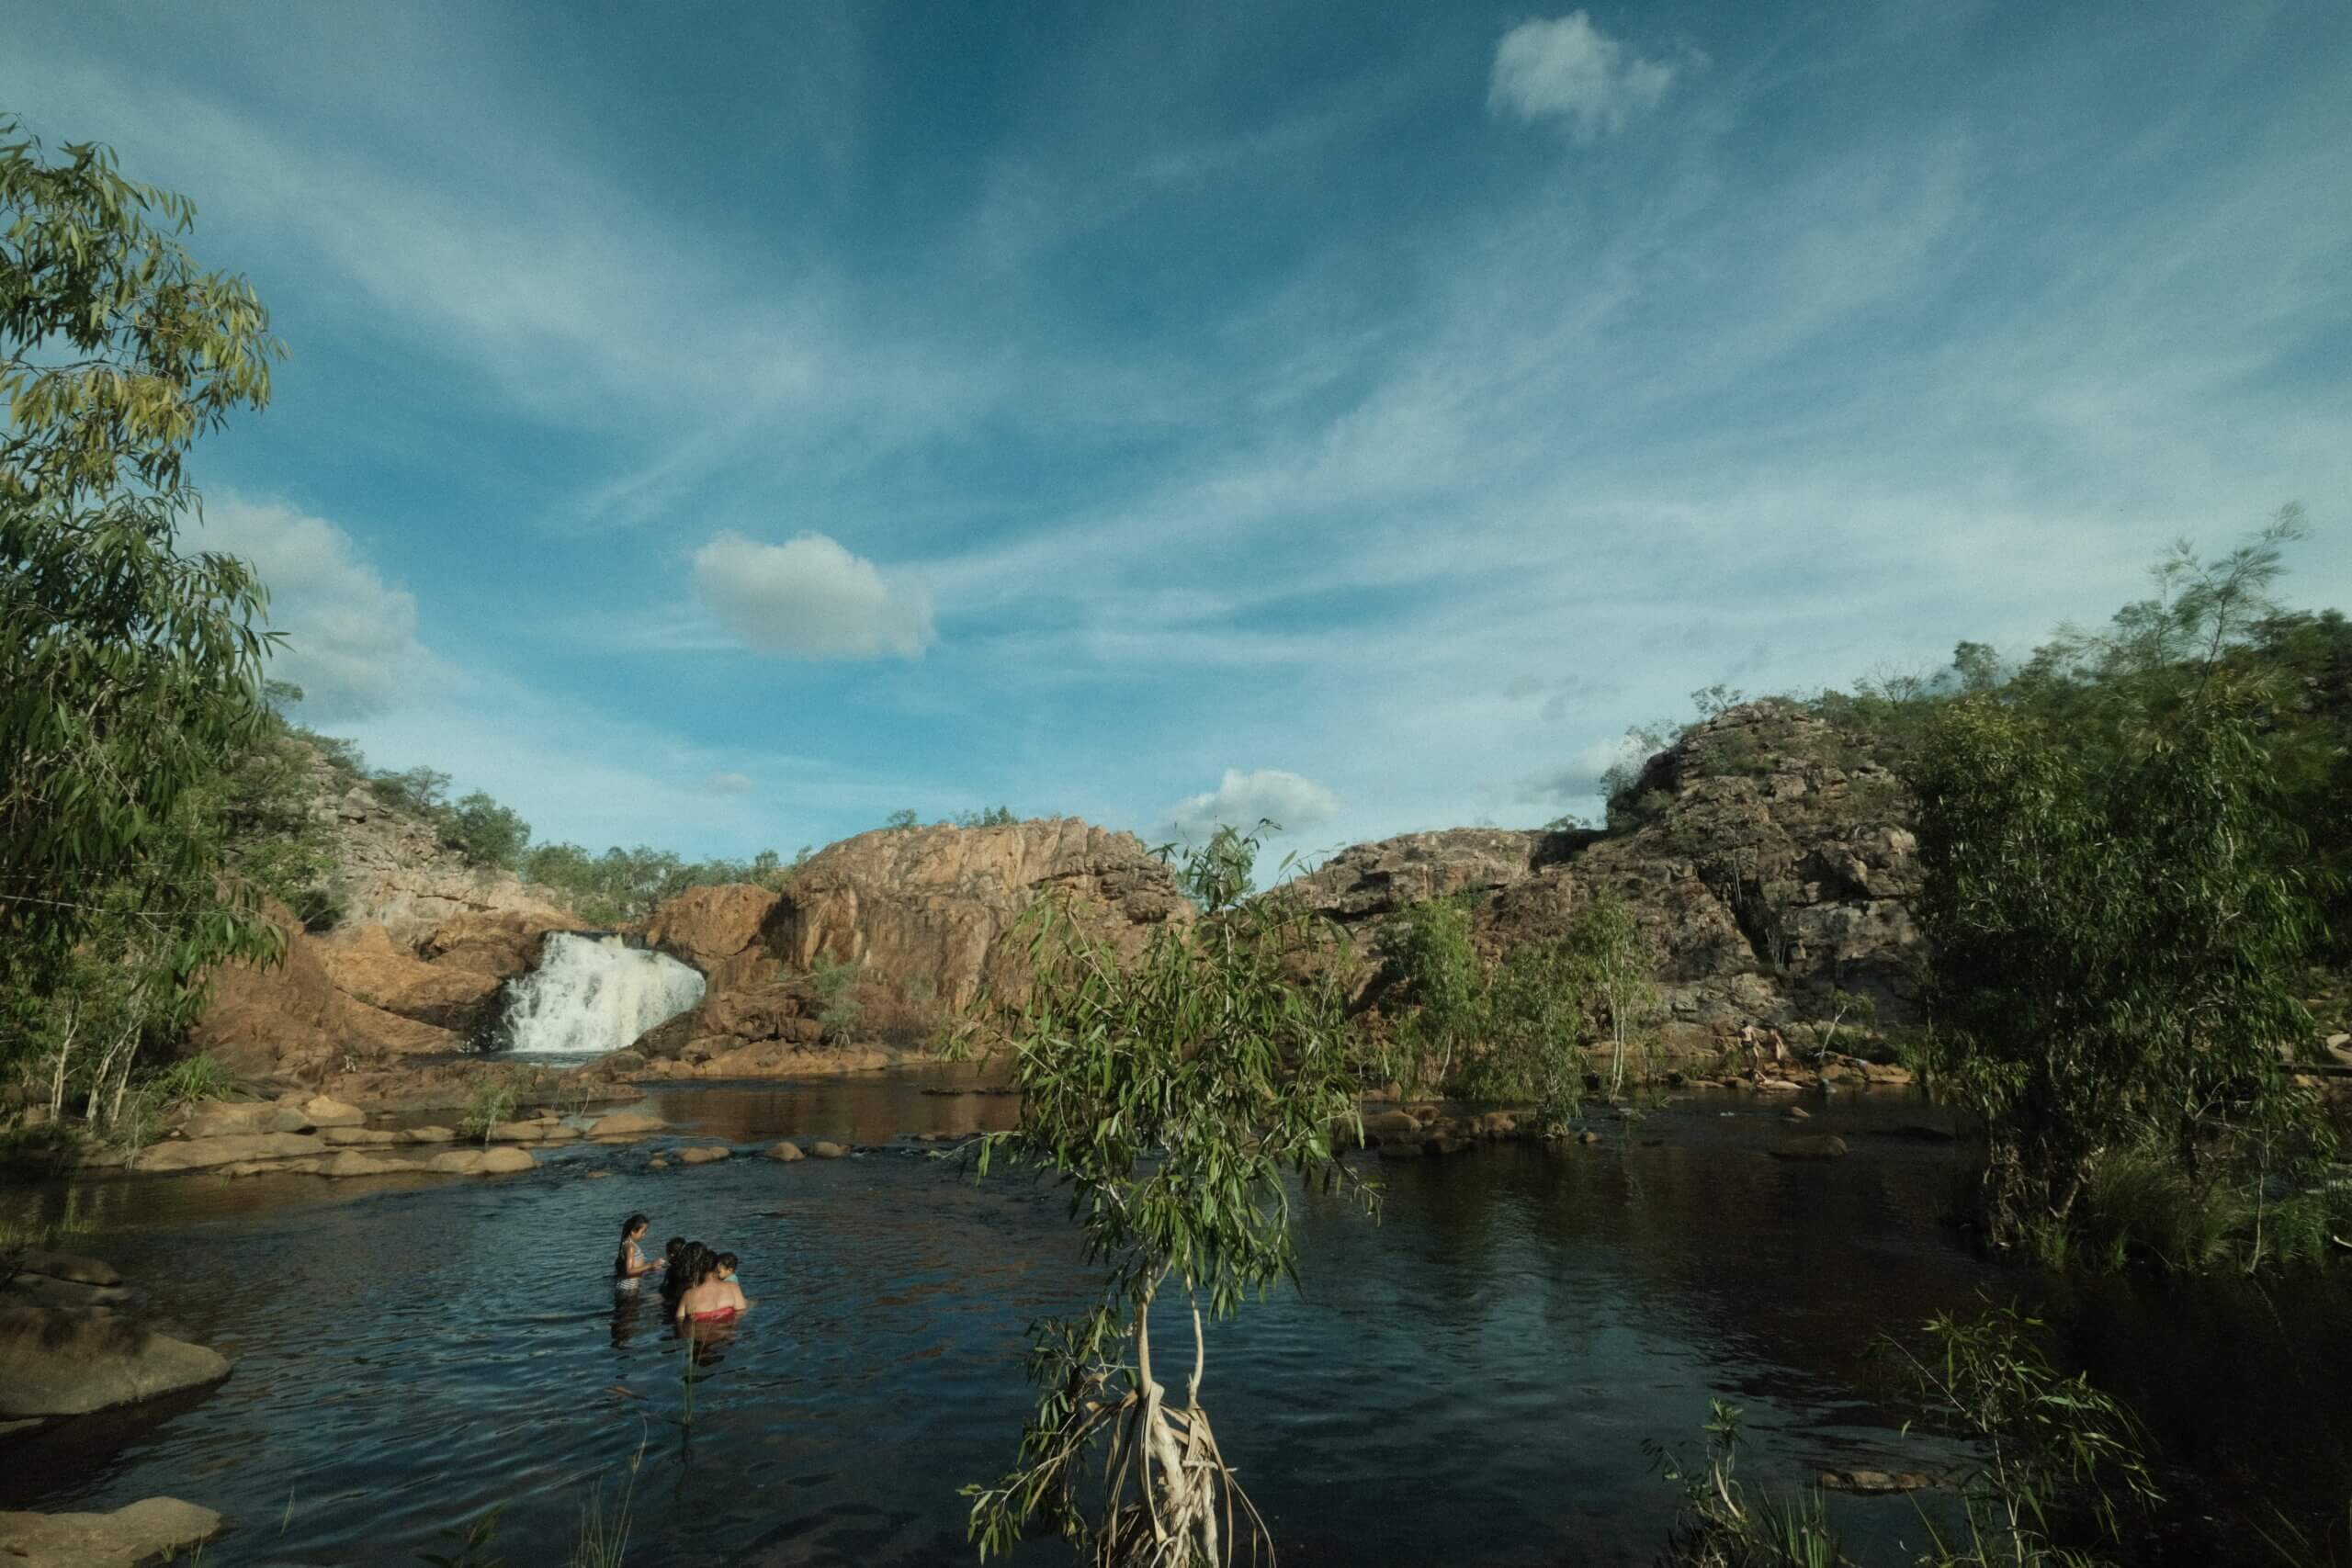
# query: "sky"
720,426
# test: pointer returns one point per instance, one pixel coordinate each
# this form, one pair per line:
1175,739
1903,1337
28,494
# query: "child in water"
630,1265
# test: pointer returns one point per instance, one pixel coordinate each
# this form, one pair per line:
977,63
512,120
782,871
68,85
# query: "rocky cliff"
1773,863
412,966
926,916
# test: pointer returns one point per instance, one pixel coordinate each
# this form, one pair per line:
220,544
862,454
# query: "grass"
2142,1210
603,1541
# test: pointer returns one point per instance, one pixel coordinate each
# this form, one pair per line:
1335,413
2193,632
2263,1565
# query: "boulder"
784,1152
66,1361
704,1154
826,1151
322,1111
505,1162
427,1135
199,1154
364,964
145,1531
1390,1124
625,1124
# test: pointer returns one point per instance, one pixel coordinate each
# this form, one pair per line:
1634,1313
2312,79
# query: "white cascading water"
595,994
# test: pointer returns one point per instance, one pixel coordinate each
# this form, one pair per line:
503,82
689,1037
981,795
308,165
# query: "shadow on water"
1472,1379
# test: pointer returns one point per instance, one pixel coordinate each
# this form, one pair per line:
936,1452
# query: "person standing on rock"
630,1265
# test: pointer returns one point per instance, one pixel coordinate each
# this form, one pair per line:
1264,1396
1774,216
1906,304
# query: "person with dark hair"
713,1298
630,1264
687,1266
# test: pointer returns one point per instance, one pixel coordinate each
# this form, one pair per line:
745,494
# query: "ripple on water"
1472,1378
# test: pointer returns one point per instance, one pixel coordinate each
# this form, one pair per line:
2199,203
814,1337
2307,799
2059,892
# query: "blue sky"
719,426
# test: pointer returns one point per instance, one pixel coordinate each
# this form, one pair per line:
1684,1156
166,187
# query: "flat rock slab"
139,1533
704,1154
70,1361
481,1162
67,1266
201,1154
625,1124
222,1119
47,1289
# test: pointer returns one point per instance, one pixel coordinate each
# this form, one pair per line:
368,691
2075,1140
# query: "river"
1471,1379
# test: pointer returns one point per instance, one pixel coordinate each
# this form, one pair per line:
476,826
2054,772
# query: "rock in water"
784,1152
827,1151
625,1124
67,1362
1812,1146
142,1532
704,1154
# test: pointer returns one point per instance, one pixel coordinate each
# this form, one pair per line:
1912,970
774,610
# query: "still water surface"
1472,1379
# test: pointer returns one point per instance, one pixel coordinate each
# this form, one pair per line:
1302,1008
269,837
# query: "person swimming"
714,1297
630,1264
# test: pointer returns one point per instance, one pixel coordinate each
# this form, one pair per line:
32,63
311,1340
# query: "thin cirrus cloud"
810,598
1241,800
1567,69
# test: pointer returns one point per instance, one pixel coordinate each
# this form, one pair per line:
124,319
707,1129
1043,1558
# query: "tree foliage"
135,663
1173,1094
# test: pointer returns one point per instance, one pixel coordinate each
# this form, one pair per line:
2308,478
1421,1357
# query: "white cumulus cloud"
350,640
730,784
1567,69
808,598
1289,802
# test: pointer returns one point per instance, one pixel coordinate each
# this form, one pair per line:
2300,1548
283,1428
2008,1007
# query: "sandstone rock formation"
370,968
70,1361
1773,863
926,913
412,967
151,1529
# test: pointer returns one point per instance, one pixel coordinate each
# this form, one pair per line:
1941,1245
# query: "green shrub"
836,987
491,1102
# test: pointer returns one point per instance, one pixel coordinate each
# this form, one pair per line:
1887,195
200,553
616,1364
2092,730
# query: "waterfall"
593,994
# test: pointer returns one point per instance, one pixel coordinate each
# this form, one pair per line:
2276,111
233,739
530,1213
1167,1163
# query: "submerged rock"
70,1361
142,1532
1812,1147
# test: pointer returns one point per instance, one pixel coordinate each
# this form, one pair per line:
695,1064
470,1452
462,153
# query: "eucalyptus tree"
134,662
1174,1094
